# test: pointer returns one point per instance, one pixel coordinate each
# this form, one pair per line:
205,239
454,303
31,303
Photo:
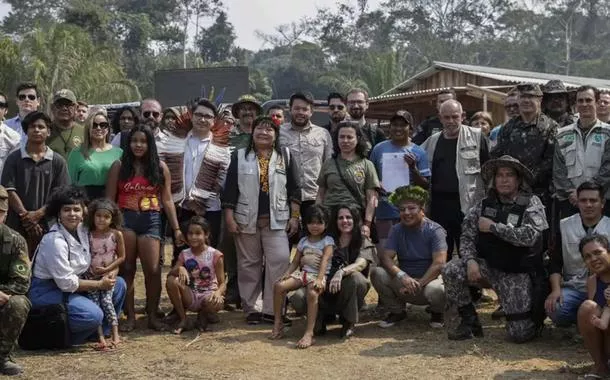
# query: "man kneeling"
500,246
421,247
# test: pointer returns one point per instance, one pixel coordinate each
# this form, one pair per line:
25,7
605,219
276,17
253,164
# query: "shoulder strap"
65,295
352,191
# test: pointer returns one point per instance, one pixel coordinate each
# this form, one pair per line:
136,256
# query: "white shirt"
193,155
9,141
51,258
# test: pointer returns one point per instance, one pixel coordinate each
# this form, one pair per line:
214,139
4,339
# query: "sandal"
305,342
276,334
182,326
593,376
101,347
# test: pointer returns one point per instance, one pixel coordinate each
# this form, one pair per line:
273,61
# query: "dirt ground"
232,349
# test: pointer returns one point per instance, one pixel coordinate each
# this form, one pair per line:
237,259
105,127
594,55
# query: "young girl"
197,281
107,253
313,255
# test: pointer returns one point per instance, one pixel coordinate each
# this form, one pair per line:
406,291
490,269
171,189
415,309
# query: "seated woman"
62,257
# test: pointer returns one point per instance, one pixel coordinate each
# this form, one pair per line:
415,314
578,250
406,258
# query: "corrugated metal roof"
506,75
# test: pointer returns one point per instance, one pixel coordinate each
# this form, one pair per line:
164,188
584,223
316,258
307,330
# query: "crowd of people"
265,210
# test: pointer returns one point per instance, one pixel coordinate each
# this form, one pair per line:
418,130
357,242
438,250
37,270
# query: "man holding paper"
399,162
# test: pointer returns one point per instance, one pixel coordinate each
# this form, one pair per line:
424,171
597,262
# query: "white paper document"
395,171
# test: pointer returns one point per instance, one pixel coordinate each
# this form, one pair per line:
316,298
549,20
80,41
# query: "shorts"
199,299
306,278
145,224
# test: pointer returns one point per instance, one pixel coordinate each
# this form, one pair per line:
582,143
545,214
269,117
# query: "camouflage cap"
404,115
554,86
489,169
3,199
243,100
64,94
529,89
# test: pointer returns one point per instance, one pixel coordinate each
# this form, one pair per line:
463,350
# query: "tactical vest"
499,253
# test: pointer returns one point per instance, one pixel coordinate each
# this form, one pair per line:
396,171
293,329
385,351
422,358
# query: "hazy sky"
248,16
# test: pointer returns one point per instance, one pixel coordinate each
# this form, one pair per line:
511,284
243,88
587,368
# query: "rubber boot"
469,327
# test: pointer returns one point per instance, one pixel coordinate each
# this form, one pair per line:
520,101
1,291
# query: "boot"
9,367
469,327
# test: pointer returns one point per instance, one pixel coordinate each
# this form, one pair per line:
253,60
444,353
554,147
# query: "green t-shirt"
63,141
94,171
360,174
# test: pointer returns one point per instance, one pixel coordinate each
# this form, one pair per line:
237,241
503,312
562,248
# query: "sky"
248,16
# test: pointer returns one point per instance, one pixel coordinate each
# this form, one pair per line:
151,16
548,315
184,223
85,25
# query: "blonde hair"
84,148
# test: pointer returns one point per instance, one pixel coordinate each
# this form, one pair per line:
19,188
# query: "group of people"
237,189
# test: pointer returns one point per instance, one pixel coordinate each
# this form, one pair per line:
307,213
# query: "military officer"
500,246
14,284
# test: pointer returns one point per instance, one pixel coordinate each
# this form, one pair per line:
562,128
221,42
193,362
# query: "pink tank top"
202,269
103,250
138,194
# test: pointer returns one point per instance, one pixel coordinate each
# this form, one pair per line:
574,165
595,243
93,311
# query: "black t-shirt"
444,179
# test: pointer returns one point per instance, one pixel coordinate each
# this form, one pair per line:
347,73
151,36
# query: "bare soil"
232,349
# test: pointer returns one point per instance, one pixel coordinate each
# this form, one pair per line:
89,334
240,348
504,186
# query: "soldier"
556,103
14,284
500,246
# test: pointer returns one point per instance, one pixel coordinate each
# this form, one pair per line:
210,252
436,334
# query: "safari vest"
467,164
246,209
583,157
499,253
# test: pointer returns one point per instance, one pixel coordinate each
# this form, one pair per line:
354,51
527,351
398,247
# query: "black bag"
46,326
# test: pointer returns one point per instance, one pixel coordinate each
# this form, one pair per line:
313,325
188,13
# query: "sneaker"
436,320
392,319
254,318
9,367
268,318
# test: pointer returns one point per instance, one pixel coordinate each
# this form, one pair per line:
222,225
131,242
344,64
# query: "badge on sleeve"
512,219
490,212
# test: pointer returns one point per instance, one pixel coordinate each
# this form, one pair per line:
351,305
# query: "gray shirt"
311,146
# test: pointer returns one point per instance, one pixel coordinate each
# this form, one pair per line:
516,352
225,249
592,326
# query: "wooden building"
478,88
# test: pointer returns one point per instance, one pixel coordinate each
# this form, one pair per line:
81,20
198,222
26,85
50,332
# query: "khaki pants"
257,292
389,287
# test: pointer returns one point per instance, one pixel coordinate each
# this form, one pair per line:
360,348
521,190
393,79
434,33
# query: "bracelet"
401,274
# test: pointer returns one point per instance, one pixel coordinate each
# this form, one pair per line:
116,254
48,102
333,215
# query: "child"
597,259
197,280
313,255
107,253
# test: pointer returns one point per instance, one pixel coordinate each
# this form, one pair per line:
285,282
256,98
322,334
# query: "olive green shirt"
359,174
63,141
15,270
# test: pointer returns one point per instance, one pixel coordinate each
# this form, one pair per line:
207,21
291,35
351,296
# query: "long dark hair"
361,142
264,120
357,238
116,119
104,204
150,161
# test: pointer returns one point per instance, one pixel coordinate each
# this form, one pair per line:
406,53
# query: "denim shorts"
143,223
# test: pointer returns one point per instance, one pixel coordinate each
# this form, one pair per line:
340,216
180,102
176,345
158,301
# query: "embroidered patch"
538,221
568,138
597,137
490,212
512,219
359,176
76,141
21,269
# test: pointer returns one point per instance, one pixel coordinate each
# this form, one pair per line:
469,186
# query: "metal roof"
505,75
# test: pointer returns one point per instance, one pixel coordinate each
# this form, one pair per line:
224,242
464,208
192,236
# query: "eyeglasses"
30,97
3,105
507,106
154,114
206,116
103,125
339,107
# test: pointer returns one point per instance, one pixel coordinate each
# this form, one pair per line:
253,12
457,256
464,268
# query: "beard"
356,114
302,123
337,118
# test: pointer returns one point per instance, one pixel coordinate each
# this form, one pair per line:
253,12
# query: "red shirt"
138,194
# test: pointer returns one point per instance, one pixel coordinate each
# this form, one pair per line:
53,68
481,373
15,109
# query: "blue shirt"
415,246
312,252
15,124
385,210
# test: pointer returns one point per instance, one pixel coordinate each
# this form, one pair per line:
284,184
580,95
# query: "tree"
25,15
215,43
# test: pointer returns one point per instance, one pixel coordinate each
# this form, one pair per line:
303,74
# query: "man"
28,101
82,110
14,284
9,138
357,104
556,103
568,271
511,107
421,248
500,246
276,112
308,143
66,134
416,162
603,106
245,110
433,125
336,111
582,153
529,138
455,157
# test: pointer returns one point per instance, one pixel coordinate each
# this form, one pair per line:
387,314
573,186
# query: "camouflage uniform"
14,281
551,88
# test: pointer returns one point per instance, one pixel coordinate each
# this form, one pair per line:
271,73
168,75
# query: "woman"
63,256
261,200
140,183
122,122
349,176
482,120
89,164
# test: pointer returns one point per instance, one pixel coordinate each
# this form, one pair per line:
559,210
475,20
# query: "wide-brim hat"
243,100
488,171
554,86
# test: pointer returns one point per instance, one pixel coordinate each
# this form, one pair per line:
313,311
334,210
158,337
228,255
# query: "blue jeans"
565,315
84,316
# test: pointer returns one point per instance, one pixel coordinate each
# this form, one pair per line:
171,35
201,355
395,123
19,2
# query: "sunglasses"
511,106
103,125
154,114
3,105
30,97
336,107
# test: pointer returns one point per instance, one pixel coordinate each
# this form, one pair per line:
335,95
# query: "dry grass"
234,350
